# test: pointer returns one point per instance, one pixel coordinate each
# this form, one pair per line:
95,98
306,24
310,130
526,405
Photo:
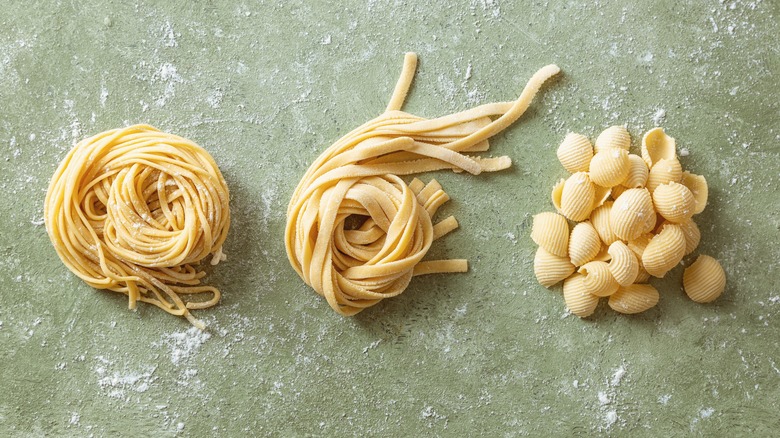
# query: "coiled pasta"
132,210
357,178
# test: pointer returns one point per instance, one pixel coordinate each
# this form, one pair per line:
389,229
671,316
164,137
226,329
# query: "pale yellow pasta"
624,265
664,171
609,167
557,192
657,224
577,197
603,255
358,179
634,298
601,194
618,190
664,251
697,184
674,202
598,279
551,269
637,173
642,276
551,232
656,146
692,235
639,244
600,220
577,299
704,281
630,214
584,243
575,153
614,137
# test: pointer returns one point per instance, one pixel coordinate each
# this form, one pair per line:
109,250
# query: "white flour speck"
185,344
664,399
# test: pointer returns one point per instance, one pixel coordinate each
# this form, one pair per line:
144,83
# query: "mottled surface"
265,88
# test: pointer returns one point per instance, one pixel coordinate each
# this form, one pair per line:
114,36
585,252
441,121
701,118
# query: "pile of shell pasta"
632,219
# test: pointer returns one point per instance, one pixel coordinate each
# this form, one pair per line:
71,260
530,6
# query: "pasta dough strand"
356,232
133,209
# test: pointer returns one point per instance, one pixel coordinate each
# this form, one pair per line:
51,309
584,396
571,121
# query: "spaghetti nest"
133,210
356,232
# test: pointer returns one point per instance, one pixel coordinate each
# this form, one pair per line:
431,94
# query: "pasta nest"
356,232
133,210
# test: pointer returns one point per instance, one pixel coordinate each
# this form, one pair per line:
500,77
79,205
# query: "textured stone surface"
265,88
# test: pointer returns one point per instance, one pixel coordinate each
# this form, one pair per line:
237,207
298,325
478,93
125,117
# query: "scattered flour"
168,74
664,399
75,418
183,345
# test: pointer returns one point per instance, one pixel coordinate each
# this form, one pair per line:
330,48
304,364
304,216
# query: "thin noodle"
133,209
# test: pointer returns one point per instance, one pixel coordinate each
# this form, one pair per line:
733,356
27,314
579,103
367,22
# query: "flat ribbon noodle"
355,267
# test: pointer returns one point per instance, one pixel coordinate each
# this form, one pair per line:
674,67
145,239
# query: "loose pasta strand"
132,210
358,178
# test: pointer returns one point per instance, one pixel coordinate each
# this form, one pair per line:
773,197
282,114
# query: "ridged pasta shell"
659,222
600,220
575,153
584,243
598,279
614,137
664,251
618,190
551,232
664,171
697,184
642,276
637,172
639,244
550,269
577,299
601,194
692,235
577,197
609,167
704,280
656,146
635,298
603,255
674,202
557,192
631,213
624,265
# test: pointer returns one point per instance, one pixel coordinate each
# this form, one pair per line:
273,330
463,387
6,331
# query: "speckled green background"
265,87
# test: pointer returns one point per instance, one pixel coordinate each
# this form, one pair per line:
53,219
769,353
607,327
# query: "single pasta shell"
598,279
600,220
609,167
674,202
656,146
692,235
551,232
635,298
601,195
643,276
637,172
584,243
624,265
575,153
697,184
617,191
577,299
550,269
664,171
639,244
557,192
664,251
704,280
614,137
630,214
577,197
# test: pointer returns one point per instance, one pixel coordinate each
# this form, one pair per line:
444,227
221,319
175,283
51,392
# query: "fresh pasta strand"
132,210
355,267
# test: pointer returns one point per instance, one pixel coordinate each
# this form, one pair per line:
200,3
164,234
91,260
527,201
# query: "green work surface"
265,88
